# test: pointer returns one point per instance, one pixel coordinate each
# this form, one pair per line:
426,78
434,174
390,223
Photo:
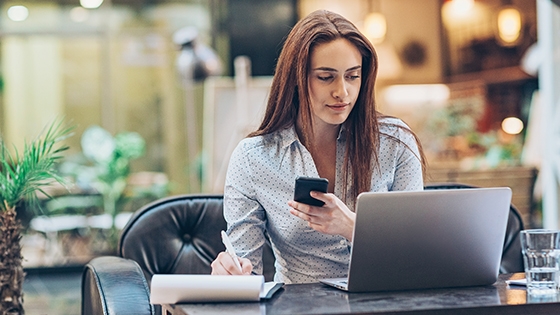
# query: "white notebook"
180,288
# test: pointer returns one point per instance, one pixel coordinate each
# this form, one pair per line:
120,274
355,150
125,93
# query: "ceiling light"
375,27
509,25
416,94
462,5
91,4
512,125
18,13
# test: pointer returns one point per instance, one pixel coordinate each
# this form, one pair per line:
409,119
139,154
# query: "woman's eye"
324,78
353,77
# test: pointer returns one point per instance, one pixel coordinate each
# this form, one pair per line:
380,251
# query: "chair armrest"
113,286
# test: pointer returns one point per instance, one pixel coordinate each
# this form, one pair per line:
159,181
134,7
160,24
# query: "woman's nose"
340,90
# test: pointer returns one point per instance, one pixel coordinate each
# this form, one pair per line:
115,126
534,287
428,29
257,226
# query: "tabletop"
317,298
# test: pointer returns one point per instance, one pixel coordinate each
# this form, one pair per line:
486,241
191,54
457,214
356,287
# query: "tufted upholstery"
181,234
174,235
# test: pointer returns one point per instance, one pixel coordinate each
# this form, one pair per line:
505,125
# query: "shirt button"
342,242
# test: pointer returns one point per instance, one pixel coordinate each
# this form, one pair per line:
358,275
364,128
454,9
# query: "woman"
320,121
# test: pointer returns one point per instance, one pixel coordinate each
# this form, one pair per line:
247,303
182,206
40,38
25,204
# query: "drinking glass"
540,249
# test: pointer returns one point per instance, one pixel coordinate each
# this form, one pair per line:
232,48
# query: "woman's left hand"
333,217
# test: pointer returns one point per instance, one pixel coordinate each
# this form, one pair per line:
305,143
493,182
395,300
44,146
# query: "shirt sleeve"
245,216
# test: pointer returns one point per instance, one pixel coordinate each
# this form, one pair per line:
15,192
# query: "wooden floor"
52,292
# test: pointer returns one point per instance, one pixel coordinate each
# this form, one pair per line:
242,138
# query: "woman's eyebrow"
334,70
325,69
354,68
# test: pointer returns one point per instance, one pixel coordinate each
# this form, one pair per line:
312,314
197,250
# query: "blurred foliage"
107,160
459,117
104,167
452,132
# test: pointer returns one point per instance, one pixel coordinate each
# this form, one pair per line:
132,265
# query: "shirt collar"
289,135
342,133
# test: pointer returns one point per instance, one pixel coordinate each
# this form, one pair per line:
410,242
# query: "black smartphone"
304,185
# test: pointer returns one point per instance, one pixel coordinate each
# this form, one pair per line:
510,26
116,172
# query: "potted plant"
22,177
105,167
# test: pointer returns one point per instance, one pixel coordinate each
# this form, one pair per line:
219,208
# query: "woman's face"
334,81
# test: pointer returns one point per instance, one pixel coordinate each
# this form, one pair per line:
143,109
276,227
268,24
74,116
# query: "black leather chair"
181,234
175,235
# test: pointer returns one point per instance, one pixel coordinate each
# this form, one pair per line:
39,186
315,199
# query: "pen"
230,250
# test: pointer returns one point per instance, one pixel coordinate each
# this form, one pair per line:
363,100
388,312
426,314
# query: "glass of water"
541,249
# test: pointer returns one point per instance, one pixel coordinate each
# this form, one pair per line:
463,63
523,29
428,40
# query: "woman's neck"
323,134
323,151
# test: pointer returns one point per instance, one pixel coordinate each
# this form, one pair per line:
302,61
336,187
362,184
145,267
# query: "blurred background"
160,91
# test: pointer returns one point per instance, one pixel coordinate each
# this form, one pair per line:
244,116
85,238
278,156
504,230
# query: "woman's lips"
338,107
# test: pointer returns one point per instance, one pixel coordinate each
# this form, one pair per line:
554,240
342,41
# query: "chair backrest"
179,234
512,259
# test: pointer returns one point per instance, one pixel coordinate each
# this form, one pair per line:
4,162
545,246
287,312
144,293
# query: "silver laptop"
427,239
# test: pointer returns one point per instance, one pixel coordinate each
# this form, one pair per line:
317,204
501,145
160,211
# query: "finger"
298,205
324,197
304,208
218,266
228,264
246,266
301,215
313,221
224,265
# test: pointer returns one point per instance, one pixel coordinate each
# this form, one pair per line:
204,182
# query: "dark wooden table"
316,298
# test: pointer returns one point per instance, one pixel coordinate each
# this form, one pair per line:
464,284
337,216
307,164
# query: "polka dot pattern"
260,181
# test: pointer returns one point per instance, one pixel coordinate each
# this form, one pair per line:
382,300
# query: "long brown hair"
289,97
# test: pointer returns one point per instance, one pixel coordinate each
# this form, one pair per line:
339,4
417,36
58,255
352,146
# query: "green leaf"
23,175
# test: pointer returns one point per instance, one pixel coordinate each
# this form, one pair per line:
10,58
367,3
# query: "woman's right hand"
224,265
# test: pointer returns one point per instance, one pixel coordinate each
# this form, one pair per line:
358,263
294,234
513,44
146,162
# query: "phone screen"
304,185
